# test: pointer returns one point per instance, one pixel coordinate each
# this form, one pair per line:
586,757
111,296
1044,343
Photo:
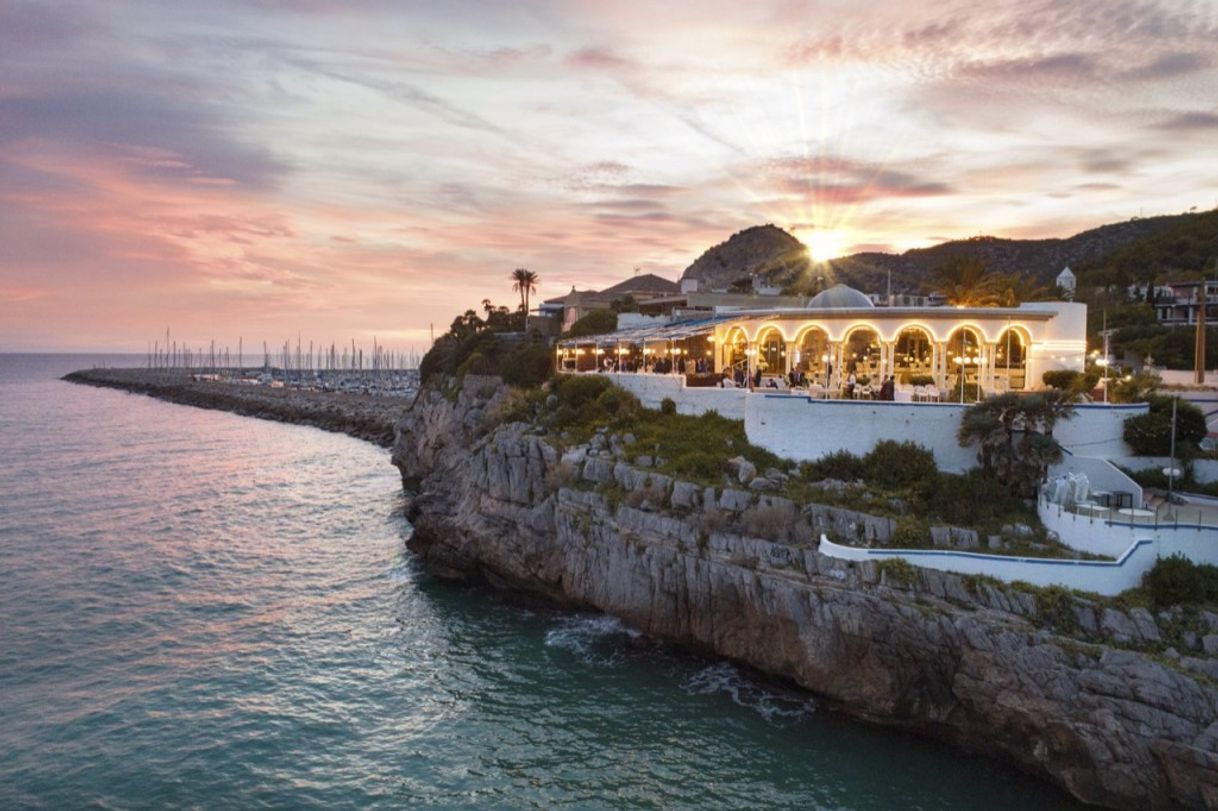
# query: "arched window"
1010,359
813,353
735,350
861,354
912,354
964,360
772,353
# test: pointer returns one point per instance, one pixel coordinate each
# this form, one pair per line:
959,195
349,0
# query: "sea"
200,610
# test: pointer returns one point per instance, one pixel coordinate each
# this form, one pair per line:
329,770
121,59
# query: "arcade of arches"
914,357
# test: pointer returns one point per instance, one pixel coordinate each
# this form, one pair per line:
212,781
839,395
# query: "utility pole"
1199,341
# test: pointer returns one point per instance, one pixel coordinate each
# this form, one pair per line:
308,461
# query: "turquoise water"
208,611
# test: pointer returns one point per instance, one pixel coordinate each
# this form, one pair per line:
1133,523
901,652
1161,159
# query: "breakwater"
1116,720
364,416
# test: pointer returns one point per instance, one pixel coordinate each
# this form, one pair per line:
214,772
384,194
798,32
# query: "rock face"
917,649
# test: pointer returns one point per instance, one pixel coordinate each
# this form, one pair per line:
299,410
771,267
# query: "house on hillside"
654,295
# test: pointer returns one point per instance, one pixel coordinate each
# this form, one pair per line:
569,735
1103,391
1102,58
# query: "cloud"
155,135
845,180
1171,65
1189,122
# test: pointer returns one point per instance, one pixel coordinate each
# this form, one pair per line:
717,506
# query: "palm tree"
1014,435
966,283
524,282
1016,288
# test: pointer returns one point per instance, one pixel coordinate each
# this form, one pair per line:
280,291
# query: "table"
1133,513
1091,509
903,396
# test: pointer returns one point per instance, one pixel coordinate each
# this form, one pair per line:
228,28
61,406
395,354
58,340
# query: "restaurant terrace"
843,346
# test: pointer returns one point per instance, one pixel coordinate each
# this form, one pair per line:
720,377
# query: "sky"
351,169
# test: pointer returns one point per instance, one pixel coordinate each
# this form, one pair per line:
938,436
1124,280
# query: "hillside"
780,259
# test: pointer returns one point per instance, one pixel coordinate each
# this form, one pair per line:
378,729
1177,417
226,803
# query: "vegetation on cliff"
494,345
899,480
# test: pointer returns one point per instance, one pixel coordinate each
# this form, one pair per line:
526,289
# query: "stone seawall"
366,417
968,662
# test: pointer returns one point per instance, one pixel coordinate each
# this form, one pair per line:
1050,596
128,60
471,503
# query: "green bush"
698,465
597,322
1150,434
896,465
1178,581
841,465
576,391
974,499
910,533
1063,379
922,380
667,406
528,366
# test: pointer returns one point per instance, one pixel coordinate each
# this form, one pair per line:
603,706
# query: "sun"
823,245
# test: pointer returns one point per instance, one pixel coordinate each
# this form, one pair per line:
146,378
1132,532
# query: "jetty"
367,416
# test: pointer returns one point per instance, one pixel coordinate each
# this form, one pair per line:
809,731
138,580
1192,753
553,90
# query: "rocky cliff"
951,657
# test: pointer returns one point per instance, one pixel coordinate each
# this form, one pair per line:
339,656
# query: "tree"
1149,434
1016,288
966,282
596,322
1014,434
524,282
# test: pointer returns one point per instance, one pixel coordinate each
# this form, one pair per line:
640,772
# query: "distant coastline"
367,417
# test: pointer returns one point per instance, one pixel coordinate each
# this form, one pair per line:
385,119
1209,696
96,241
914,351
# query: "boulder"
734,500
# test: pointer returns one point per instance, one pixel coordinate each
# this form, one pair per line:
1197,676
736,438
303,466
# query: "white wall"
1096,429
803,429
651,389
1101,577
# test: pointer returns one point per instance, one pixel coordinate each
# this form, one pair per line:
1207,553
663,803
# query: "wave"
595,639
775,705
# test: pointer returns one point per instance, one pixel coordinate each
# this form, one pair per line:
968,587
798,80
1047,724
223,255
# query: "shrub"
1055,609
974,499
922,380
1149,434
596,322
895,465
841,465
667,406
528,366
898,570
1063,379
1178,581
475,364
768,522
577,391
698,465
910,533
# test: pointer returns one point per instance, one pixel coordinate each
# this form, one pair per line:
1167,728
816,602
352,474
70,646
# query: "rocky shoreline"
1104,712
366,417
1111,718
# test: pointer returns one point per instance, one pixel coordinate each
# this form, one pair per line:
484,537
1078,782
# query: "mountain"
780,260
763,251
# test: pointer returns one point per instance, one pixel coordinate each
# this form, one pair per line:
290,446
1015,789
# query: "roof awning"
642,335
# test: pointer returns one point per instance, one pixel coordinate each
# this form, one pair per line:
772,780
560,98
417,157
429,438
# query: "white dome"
839,297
